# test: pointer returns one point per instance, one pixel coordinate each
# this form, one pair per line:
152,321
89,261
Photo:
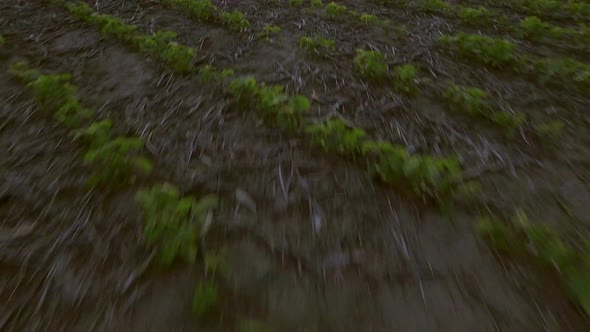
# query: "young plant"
426,177
290,116
371,64
434,6
81,11
317,45
178,57
497,233
335,11
336,136
245,91
210,73
112,26
316,3
268,31
490,51
235,20
510,122
117,162
95,135
23,72
56,94
199,9
405,79
205,299
274,104
550,132
2,40
296,3
475,16
216,262
562,71
369,19
533,28
160,45
173,223
472,101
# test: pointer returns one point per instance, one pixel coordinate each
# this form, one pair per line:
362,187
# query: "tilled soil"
313,243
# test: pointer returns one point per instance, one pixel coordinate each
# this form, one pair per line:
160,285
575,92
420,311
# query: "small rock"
244,198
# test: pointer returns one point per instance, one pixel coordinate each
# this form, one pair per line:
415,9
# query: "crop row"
422,176
572,10
206,11
547,247
500,53
531,27
172,224
475,102
427,177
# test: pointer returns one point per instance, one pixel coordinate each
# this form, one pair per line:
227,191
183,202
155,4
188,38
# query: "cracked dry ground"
313,243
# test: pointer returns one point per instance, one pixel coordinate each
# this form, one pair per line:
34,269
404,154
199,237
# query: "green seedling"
371,64
475,16
216,262
22,71
296,3
52,91
210,73
271,99
235,20
335,11
316,3
81,11
490,51
173,223
560,71
317,45
2,40
155,43
95,135
274,104
178,57
268,31
369,19
498,234
205,299
199,9
335,136
510,122
551,131
533,28
245,91
290,116
405,79
553,8
434,6
112,26
472,101
56,94
117,162
160,45
422,176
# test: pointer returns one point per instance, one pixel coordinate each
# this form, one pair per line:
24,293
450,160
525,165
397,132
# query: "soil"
313,243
